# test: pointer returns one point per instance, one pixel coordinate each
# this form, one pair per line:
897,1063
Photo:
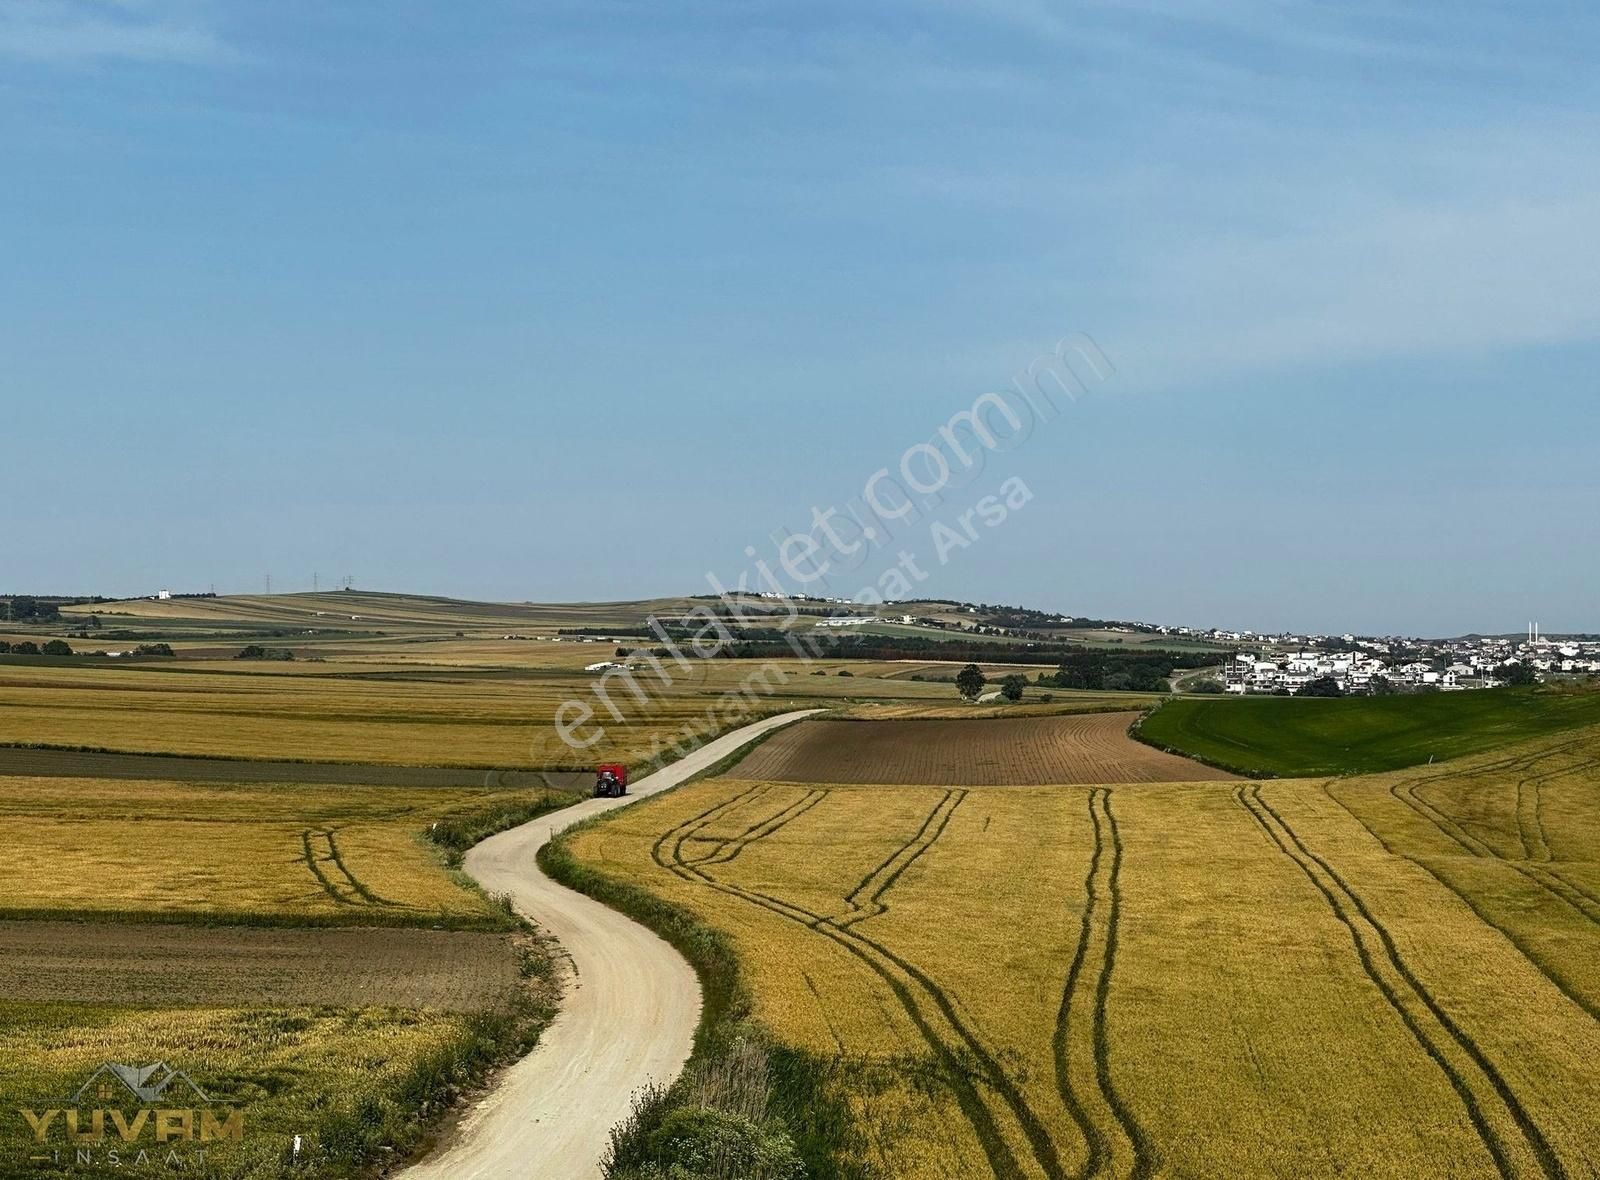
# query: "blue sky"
555,301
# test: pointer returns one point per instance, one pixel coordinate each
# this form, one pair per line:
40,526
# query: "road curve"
627,1017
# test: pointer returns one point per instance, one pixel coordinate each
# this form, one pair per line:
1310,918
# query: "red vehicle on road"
610,780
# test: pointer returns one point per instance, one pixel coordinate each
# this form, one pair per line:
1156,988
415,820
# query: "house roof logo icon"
147,1083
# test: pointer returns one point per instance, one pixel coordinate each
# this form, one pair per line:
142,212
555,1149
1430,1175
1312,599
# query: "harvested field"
1076,748
178,966
1385,976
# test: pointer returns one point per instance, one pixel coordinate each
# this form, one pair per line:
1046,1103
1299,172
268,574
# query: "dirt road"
627,1018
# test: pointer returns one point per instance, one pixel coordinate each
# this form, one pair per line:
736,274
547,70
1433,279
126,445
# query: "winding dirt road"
627,1017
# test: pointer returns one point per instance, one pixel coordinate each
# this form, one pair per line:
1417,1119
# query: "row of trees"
26,609
56,647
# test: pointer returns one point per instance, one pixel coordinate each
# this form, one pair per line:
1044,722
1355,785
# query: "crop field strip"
327,717
273,853
906,981
1115,1142
1087,748
1539,867
1477,1043
189,966
1294,737
22,761
1471,1074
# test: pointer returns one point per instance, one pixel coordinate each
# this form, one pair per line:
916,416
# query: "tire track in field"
729,849
315,866
883,877
1548,879
1475,1080
1547,875
696,823
1097,943
356,883
1472,903
905,981
1530,823
354,891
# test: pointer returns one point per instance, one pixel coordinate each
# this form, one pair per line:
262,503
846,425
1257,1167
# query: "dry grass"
1202,979
349,1082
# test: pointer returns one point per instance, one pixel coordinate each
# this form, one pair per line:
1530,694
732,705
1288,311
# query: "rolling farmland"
445,717
1390,975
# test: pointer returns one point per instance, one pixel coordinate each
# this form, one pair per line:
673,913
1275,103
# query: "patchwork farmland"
1391,975
938,938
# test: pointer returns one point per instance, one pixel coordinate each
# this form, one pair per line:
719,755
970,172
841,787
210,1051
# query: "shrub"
1322,686
256,652
26,648
719,1145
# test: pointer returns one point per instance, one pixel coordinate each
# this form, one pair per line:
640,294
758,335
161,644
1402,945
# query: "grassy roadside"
746,1107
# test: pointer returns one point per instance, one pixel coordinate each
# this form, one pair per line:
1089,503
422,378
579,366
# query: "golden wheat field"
1389,976
283,852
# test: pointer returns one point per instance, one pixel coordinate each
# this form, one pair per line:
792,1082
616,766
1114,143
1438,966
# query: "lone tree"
970,681
57,647
1011,687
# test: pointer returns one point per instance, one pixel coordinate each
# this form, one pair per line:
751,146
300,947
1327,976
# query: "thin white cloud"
84,31
1498,253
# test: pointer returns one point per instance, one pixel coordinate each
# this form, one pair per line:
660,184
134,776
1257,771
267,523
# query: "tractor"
610,780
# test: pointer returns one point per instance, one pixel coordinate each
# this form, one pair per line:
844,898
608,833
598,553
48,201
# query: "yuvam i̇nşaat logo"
172,1110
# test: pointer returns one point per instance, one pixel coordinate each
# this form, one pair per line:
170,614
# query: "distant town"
1353,664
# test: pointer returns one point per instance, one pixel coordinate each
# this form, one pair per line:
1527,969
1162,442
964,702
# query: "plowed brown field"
180,966
1081,748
